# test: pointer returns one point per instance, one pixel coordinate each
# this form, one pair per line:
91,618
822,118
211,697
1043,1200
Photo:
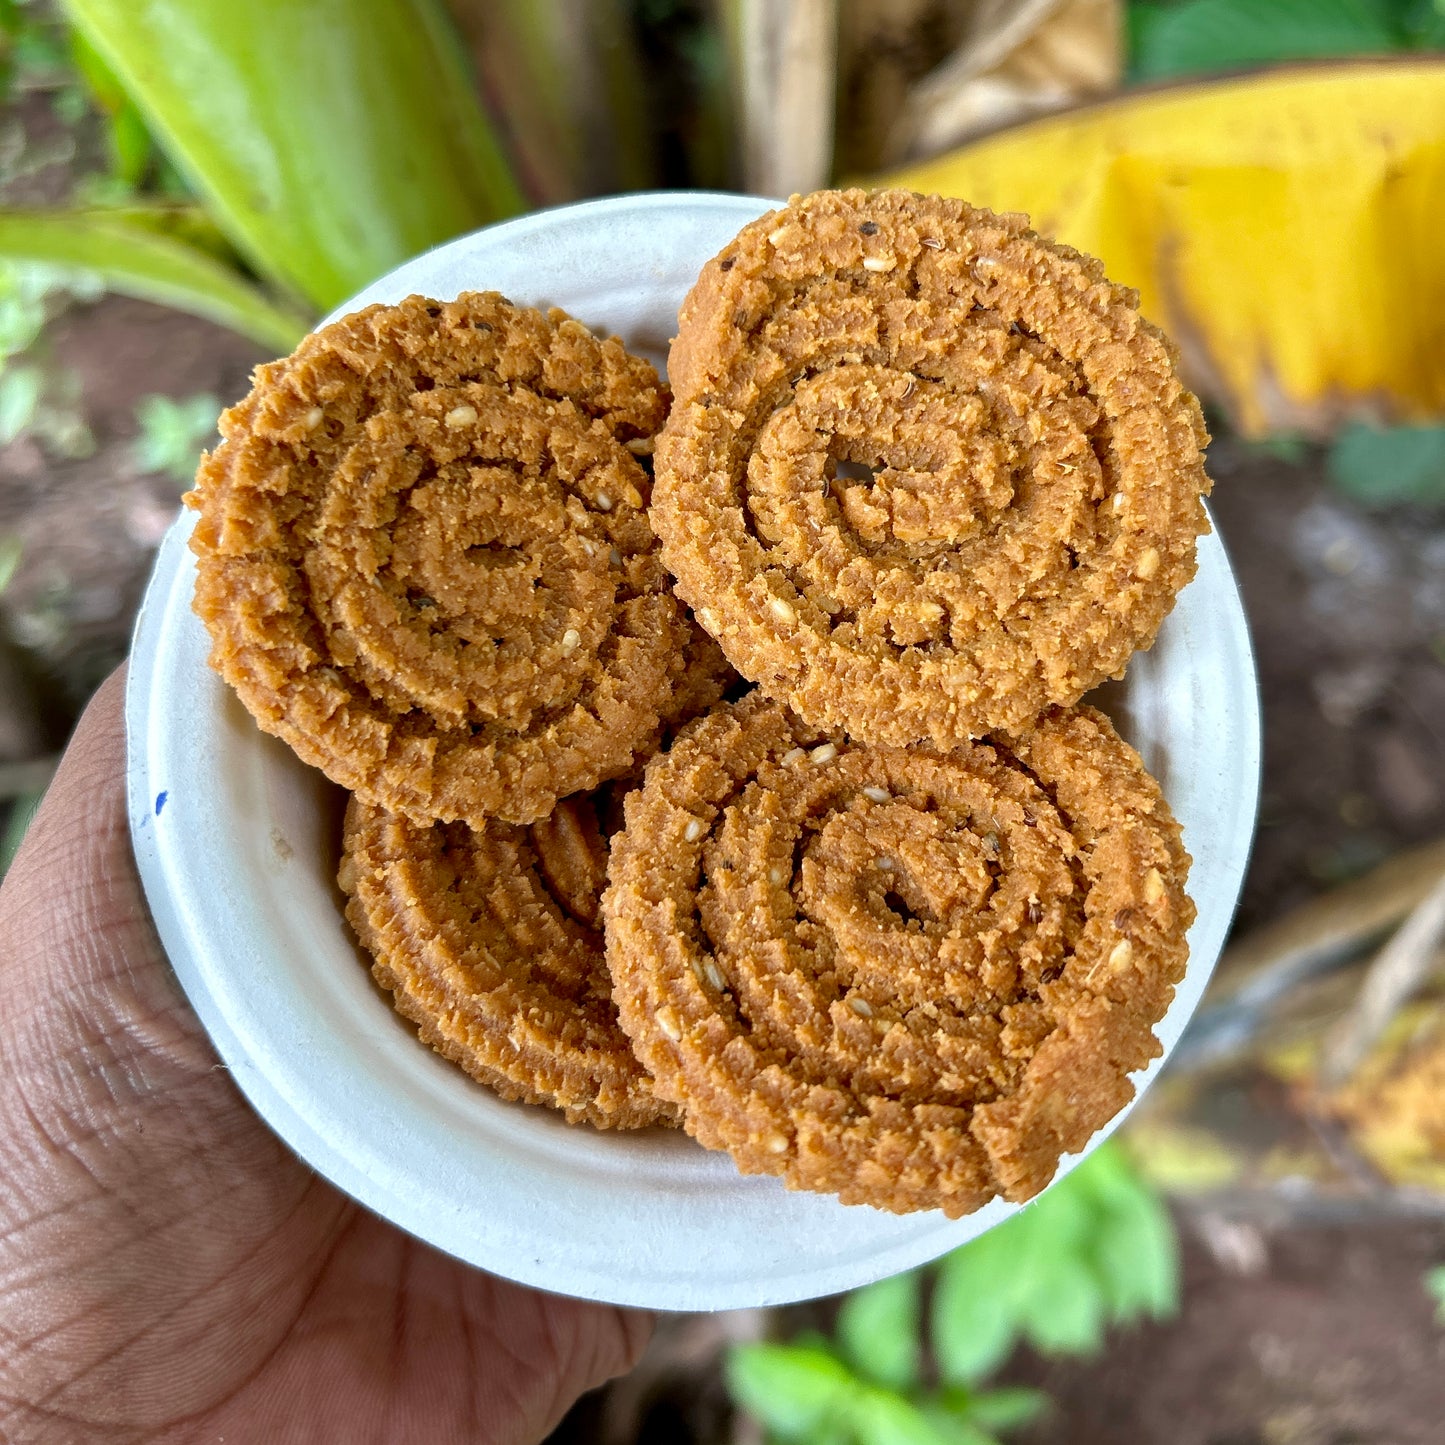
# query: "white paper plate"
236,842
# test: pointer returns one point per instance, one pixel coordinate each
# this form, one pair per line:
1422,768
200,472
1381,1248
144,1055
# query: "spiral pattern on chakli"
910,977
489,941
926,473
426,563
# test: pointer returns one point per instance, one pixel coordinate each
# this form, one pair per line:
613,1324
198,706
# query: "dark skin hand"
169,1271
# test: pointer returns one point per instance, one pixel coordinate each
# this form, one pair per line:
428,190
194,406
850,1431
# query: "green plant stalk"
515,48
624,88
564,79
132,254
782,60
712,153
530,57
726,96
331,139
130,141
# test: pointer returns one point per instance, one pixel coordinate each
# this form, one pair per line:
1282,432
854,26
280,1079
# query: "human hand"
169,1271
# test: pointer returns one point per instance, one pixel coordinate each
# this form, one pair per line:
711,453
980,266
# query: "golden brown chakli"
908,977
426,563
926,473
928,477
489,941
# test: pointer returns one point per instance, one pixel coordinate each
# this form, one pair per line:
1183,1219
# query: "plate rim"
177,925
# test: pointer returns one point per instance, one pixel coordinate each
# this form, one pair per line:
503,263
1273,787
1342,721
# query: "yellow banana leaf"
1285,228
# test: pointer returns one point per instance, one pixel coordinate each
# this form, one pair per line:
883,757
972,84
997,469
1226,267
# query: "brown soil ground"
1295,1336
1308,1336
1347,609
1302,1336
89,528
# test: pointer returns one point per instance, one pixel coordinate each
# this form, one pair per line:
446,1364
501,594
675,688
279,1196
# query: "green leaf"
1425,24
828,1433
1292,448
22,312
331,139
878,1331
1096,1246
1130,1242
1435,1285
1136,1255
171,184
791,1389
11,551
64,431
1390,466
130,146
1064,1215
1068,1317
1105,1177
881,1417
173,433
1009,1409
70,104
975,1305
956,1426
39,53
128,135
102,82
135,252
963,1432
103,190
1207,35
20,392
22,814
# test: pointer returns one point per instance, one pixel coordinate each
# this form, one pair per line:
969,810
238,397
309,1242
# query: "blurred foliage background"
185,185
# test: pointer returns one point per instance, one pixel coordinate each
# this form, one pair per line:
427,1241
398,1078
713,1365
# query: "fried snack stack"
926,473
895,925
900,926
425,562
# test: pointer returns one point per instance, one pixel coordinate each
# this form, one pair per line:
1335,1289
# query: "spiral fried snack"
925,473
906,977
490,939
489,942
425,559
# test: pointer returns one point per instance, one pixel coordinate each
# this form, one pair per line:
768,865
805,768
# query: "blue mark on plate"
160,802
